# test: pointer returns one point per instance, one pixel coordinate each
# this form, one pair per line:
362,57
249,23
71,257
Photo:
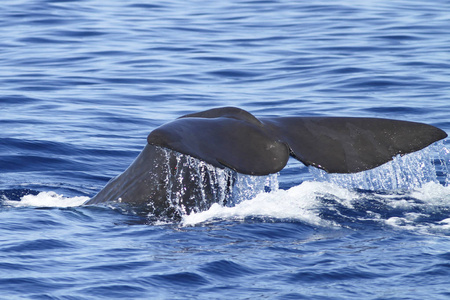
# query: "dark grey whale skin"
162,183
233,138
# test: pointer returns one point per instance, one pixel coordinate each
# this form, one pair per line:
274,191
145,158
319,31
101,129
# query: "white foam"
47,199
298,203
444,224
418,207
414,209
433,193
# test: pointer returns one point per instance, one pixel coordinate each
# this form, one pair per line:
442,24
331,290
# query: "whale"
190,163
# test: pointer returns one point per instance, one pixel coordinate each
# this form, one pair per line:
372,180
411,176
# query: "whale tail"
163,183
234,138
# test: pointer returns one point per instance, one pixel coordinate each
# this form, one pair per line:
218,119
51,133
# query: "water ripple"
84,82
186,279
38,245
225,268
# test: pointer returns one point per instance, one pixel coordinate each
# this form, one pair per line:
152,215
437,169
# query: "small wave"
47,199
298,203
326,204
426,209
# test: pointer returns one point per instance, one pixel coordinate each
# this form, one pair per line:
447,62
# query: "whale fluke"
234,138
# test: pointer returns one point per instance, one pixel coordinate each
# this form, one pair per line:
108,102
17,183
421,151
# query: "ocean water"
83,83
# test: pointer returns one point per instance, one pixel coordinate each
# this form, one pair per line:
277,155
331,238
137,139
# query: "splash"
193,185
325,204
298,203
47,199
409,193
402,173
427,209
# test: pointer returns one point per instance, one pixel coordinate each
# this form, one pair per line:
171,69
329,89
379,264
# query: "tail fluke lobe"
350,145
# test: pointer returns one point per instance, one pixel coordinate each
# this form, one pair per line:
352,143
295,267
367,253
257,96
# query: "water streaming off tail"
402,173
194,185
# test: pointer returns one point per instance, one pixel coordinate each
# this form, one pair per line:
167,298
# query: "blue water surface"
84,82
